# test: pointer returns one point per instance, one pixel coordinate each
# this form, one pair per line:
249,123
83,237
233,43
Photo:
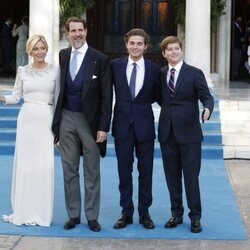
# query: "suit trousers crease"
75,135
125,158
182,159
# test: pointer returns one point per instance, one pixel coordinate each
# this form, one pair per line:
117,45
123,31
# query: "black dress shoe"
94,225
174,222
195,226
71,223
146,222
123,221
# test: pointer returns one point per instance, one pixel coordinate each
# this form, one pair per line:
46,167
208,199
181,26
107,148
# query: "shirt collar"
82,49
177,67
139,63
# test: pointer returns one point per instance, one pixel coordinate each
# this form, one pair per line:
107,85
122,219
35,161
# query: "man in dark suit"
237,48
135,79
7,45
81,121
180,134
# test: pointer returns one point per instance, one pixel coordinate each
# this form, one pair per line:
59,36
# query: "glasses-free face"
77,34
136,47
173,53
39,52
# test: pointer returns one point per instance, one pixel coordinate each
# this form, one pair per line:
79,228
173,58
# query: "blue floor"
221,218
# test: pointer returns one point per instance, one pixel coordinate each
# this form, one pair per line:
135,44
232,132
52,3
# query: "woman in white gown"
33,170
22,33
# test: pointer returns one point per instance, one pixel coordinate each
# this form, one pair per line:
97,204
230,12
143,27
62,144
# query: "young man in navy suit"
180,134
134,79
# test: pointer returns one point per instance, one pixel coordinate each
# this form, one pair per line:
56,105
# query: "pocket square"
94,77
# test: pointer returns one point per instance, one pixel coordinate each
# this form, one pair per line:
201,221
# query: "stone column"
197,35
44,20
224,43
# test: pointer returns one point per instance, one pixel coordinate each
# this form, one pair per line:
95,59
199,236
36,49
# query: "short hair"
25,20
137,32
75,20
33,40
169,39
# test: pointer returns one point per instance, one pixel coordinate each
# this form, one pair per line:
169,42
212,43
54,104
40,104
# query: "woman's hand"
2,98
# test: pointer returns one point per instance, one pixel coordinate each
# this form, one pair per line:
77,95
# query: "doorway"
14,9
240,8
109,21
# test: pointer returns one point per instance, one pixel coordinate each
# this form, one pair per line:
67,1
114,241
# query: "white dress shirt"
140,73
80,55
177,68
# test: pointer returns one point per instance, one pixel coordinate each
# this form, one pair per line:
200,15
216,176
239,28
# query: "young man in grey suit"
81,121
180,134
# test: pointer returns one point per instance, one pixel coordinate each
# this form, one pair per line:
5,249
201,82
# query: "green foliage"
70,8
180,8
217,10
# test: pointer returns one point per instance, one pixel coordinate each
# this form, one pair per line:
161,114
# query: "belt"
37,102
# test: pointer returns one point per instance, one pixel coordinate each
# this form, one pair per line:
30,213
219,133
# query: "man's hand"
206,114
101,136
57,145
56,142
56,139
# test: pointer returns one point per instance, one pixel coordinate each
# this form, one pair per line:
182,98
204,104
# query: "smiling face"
136,47
77,34
39,52
173,53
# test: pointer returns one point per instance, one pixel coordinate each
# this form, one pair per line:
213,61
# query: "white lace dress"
33,170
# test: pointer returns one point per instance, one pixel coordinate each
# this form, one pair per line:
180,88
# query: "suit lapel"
123,74
165,85
89,70
180,77
64,66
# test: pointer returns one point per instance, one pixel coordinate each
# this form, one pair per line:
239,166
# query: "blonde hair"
33,40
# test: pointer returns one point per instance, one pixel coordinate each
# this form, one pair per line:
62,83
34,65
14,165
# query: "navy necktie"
73,65
171,82
132,81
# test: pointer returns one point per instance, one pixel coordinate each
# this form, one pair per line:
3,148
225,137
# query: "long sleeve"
17,90
15,32
57,87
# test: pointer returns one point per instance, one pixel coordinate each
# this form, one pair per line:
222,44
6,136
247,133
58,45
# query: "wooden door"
110,20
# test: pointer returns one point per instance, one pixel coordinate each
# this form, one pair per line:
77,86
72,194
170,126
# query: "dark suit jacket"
237,37
182,111
6,37
139,109
96,96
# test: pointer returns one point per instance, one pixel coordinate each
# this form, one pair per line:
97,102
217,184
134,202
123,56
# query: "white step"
235,115
234,105
235,128
236,139
239,152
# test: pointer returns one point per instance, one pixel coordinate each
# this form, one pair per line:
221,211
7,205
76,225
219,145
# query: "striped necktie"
171,82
